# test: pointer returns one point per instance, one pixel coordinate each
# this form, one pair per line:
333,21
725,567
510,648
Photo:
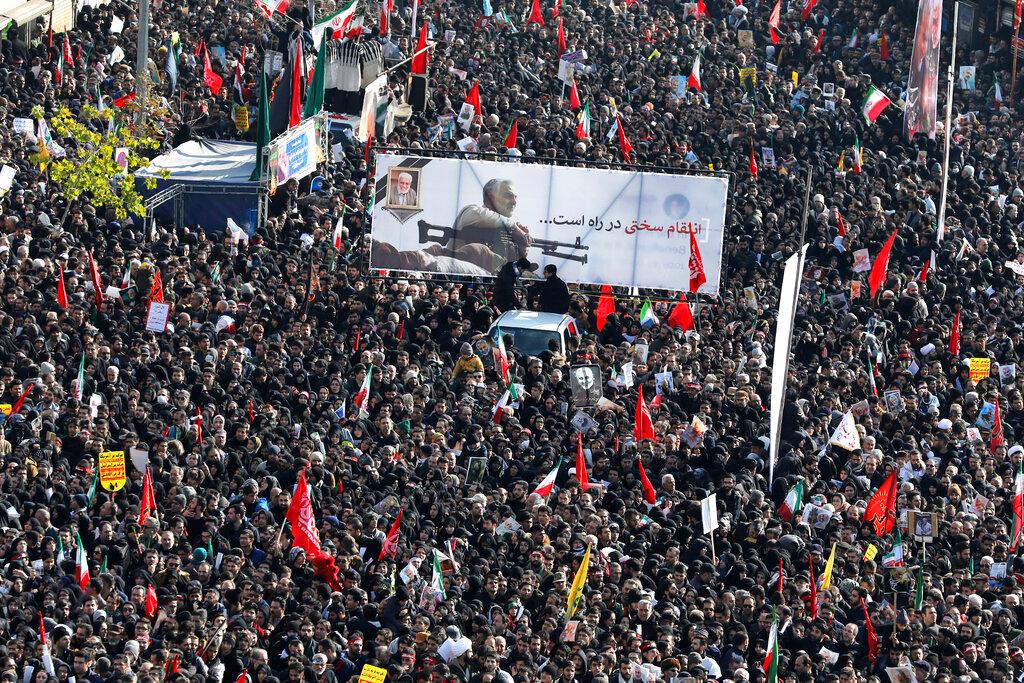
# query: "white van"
531,330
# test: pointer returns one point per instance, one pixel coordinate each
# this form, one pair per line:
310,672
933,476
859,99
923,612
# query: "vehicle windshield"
530,342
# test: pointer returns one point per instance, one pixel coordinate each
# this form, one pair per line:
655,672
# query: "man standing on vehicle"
552,292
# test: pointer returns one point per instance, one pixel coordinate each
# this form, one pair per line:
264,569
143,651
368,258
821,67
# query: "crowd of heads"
270,338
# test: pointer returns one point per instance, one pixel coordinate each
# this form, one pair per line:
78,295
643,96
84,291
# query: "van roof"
533,320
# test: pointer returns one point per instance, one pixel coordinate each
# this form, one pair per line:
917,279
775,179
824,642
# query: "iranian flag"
362,399
268,7
337,232
548,483
1018,506
694,80
79,390
874,104
794,499
858,155
81,564
894,558
501,363
771,660
510,394
338,22
583,123
46,657
647,317
437,578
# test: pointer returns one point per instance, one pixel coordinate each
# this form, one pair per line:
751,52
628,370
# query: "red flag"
650,497
1017,16
681,316
156,292
820,41
49,41
199,426
997,430
252,412
473,98
383,19
355,343
512,139
881,265
774,20
581,466
558,8
954,336
243,677
872,638
574,96
644,428
624,145
119,102
211,78
536,16
96,284
881,510
702,10
147,504
295,112
752,166
200,48
780,575
152,604
884,48
842,225
697,276
401,330
62,291
605,306
814,588
366,151
419,60
300,515
390,547
805,14
69,59
172,666
561,39
16,408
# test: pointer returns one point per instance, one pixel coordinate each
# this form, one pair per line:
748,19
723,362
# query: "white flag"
709,513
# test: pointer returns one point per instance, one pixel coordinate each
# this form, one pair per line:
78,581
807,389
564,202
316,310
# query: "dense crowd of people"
254,381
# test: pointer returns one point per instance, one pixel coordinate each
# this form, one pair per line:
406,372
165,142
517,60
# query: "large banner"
295,154
923,81
598,226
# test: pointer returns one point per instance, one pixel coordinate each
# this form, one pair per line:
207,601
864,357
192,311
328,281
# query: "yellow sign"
796,79
980,368
5,408
870,553
748,77
372,674
112,470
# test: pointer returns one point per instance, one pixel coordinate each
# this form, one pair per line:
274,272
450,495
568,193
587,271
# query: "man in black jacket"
552,292
505,284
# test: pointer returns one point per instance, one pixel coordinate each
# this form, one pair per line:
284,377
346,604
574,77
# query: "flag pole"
948,126
415,9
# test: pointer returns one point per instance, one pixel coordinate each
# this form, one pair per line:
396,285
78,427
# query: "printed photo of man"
402,192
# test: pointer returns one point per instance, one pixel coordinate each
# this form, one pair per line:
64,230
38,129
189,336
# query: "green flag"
262,127
919,590
315,94
92,489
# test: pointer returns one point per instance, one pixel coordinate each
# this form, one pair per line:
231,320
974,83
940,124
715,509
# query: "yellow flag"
826,577
796,79
870,553
576,590
711,167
